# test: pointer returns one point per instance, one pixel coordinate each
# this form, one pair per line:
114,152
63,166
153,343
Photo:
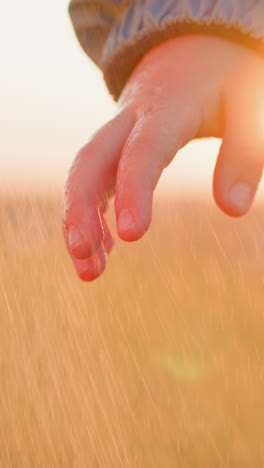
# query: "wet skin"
191,86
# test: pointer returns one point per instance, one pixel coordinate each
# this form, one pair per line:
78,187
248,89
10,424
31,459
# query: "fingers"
151,146
92,267
89,179
239,165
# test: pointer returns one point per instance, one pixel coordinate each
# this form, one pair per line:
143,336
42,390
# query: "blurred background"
160,362
53,97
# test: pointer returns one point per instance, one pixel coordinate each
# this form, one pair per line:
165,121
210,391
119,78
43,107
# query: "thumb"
239,165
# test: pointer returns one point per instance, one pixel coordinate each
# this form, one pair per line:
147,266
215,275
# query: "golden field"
159,363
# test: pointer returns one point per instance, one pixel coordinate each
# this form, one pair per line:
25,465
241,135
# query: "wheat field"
159,363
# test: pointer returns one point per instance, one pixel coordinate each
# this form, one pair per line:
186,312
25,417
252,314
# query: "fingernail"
125,221
240,197
74,237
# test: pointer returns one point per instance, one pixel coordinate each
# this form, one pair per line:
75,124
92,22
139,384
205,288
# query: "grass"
159,363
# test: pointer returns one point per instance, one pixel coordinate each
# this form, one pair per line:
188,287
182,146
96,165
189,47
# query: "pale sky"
53,97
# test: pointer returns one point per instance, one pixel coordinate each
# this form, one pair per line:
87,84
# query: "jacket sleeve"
116,34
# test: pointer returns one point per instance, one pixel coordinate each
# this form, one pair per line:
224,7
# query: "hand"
191,86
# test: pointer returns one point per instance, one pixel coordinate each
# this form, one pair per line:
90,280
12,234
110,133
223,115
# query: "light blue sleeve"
118,33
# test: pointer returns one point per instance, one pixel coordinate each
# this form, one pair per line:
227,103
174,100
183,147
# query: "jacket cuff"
148,23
